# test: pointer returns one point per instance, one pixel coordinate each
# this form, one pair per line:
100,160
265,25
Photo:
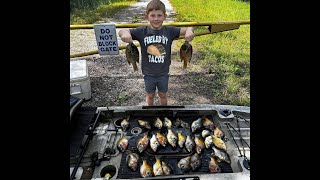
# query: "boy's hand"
125,36
189,34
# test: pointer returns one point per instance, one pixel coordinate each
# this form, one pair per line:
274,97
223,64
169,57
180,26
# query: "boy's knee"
162,95
150,95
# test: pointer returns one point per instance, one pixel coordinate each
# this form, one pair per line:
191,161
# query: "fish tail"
135,67
185,64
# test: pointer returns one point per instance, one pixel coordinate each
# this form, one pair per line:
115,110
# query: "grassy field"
225,54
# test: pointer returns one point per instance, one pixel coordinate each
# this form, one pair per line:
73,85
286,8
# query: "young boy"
155,41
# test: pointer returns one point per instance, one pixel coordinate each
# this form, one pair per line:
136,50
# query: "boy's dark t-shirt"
155,48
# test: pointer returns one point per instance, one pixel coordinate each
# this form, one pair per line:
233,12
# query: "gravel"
114,83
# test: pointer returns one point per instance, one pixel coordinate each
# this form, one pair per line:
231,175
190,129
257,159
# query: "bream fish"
143,143
123,144
157,168
144,124
166,169
154,144
195,161
189,144
208,124
179,122
167,122
196,125
132,161
145,169
213,165
181,139
132,55
219,143
218,133
208,141
186,53
125,124
199,144
221,155
184,163
172,138
205,133
162,139
157,123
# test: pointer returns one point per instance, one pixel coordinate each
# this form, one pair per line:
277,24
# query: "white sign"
106,39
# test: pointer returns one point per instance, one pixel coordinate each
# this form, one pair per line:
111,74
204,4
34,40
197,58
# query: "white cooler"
80,80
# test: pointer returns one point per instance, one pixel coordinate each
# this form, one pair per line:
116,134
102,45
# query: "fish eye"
182,165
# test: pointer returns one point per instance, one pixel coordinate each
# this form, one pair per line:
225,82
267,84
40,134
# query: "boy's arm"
125,35
187,33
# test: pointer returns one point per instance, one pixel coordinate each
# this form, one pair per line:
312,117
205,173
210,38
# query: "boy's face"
156,18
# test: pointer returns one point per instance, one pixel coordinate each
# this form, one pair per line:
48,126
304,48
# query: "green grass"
225,54
103,10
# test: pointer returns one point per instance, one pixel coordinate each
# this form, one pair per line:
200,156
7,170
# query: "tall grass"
225,54
91,11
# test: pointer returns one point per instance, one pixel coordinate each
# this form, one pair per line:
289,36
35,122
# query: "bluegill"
205,133
189,144
181,139
221,155
186,53
172,138
145,169
143,143
208,141
154,144
125,124
157,168
219,143
167,122
213,165
184,163
195,161
157,123
199,144
218,133
208,124
122,144
177,122
180,123
144,124
196,125
185,125
132,161
166,169
132,55
162,139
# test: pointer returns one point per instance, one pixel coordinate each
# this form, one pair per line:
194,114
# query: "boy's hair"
155,5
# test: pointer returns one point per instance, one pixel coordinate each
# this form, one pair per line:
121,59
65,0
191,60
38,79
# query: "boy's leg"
163,98
150,99
162,86
150,88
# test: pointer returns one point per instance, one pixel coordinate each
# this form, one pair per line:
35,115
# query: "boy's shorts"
153,82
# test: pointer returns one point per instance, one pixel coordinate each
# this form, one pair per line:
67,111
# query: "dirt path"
113,82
